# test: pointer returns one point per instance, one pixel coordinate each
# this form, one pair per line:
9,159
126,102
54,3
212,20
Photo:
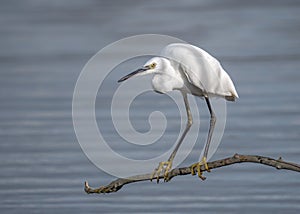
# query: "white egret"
190,70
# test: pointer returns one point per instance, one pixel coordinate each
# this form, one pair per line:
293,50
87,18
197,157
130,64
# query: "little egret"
190,70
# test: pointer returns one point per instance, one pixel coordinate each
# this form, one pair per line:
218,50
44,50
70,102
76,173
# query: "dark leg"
187,128
213,120
166,166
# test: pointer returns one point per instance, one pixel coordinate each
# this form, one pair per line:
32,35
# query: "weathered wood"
117,184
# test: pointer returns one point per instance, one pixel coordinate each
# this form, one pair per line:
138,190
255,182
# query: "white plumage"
203,74
190,70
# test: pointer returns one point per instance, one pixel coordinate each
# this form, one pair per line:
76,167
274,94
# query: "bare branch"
117,184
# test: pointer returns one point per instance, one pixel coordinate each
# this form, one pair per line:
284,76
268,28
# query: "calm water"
44,46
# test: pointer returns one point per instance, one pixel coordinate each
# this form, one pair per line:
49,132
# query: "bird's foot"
197,166
163,168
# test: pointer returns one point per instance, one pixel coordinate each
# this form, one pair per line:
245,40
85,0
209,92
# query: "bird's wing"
201,69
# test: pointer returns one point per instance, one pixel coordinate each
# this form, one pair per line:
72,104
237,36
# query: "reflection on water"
46,44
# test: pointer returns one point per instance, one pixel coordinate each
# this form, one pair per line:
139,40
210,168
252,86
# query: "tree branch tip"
86,187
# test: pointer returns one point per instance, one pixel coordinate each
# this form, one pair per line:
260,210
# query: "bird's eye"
153,65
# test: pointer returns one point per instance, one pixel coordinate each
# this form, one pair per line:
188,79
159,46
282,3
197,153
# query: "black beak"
132,74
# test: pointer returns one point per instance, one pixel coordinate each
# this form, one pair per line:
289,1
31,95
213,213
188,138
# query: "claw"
163,167
198,168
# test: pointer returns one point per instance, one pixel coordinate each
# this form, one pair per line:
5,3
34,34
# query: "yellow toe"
196,167
163,168
205,164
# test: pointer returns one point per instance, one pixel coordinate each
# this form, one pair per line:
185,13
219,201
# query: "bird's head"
154,65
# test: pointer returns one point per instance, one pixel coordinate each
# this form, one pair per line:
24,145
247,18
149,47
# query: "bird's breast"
163,83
